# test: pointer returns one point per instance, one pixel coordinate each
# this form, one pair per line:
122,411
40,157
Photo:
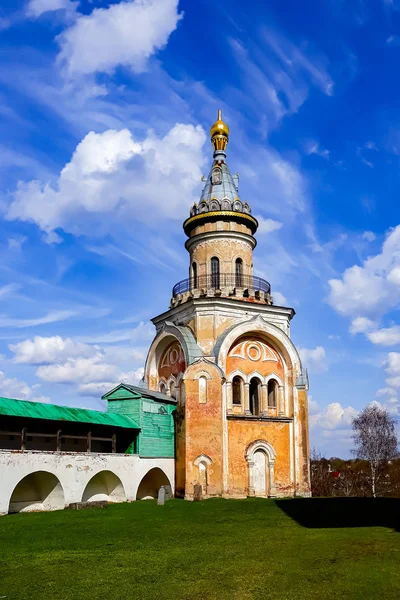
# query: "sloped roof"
141,392
52,412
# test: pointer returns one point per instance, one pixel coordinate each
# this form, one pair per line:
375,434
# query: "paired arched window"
194,275
255,396
237,390
215,276
162,388
272,393
239,272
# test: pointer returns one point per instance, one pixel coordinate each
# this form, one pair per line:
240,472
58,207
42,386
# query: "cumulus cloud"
389,336
126,34
334,416
11,387
110,173
314,358
78,370
361,325
47,350
374,286
36,8
99,388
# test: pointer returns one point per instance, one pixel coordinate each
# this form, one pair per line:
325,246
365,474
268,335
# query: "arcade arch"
151,483
104,486
40,490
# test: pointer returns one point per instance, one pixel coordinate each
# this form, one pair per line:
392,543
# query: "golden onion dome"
219,133
219,126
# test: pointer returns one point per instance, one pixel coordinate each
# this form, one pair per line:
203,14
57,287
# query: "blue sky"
104,115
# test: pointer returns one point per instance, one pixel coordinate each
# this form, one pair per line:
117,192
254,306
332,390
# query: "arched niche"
151,483
37,491
260,457
104,486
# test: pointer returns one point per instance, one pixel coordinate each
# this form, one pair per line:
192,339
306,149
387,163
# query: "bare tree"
375,440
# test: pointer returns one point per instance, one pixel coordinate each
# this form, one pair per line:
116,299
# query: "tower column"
247,399
229,400
264,399
281,401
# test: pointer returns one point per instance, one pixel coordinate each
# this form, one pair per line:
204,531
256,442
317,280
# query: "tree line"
375,469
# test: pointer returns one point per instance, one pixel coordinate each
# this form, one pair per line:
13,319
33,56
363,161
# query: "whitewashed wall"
63,478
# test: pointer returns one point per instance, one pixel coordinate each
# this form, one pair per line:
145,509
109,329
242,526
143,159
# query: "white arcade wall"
34,480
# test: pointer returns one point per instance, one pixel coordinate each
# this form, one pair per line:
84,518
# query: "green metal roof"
52,412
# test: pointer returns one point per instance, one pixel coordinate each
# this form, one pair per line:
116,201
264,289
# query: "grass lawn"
216,549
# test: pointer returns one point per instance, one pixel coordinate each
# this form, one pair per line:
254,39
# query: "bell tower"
221,240
223,351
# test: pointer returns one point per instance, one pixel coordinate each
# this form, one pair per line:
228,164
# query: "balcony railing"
219,281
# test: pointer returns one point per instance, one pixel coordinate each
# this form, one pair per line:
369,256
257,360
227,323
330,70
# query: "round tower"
220,233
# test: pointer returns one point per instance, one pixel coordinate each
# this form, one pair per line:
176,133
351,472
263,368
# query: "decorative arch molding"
251,450
205,374
203,458
273,376
237,373
257,325
260,445
167,334
256,374
208,365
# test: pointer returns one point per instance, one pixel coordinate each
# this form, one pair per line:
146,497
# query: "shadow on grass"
343,512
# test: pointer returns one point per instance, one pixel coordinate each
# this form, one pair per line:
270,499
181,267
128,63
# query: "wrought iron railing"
221,280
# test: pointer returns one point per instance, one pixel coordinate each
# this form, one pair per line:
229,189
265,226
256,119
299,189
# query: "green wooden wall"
156,437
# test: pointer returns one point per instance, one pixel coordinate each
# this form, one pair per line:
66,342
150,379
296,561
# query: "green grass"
217,549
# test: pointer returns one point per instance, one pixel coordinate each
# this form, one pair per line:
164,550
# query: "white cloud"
385,337
369,236
334,416
36,8
79,370
132,377
314,358
267,225
96,389
279,299
11,387
5,290
372,287
361,325
99,388
314,148
126,34
49,350
51,317
110,173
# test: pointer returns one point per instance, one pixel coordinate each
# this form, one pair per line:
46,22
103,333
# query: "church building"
223,352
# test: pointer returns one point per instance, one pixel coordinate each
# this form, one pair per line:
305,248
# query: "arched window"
255,395
239,272
215,272
237,384
162,388
272,393
194,275
202,390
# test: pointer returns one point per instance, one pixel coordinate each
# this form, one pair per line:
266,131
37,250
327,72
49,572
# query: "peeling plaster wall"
74,471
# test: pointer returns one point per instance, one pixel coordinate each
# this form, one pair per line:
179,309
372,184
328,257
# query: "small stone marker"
161,496
197,492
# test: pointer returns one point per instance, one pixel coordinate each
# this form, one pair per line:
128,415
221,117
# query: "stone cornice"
213,304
